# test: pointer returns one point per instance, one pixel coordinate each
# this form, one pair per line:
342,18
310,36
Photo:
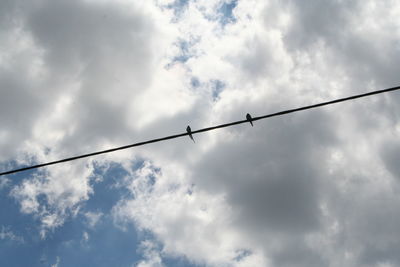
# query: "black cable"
204,130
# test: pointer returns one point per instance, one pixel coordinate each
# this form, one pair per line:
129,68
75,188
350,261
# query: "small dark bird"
189,131
250,119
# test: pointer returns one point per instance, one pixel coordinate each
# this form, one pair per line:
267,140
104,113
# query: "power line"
280,113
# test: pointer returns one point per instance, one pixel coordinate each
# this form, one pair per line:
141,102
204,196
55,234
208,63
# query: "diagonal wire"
280,113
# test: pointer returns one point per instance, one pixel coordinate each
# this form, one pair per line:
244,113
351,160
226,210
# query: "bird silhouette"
189,131
250,119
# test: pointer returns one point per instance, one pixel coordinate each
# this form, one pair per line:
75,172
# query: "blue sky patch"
77,242
178,6
217,87
194,82
184,50
226,10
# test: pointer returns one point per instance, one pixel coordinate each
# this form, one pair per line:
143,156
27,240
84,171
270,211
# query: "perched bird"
189,131
250,119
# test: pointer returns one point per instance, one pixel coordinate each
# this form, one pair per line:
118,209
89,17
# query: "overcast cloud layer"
317,188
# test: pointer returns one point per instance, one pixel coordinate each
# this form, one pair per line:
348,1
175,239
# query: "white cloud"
85,237
190,223
88,62
284,187
4,182
307,189
7,234
54,195
57,263
93,218
151,255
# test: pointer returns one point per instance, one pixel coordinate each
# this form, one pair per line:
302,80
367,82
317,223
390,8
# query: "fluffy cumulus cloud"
315,188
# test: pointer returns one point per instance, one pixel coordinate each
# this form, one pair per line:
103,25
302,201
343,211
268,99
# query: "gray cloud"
75,31
356,43
95,47
297,253
318,21
391,156
274,187
301,188
311,189
16,105
105,46
69,71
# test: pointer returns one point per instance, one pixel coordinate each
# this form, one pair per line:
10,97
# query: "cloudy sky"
316,188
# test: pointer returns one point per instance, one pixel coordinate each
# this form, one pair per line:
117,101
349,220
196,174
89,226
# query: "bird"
189,131
249,118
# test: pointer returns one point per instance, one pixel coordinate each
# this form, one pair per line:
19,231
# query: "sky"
315,188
